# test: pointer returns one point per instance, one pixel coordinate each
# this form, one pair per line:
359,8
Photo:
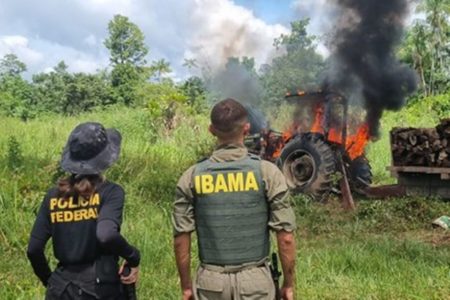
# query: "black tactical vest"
231,212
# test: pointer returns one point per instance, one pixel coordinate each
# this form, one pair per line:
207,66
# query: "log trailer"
421,161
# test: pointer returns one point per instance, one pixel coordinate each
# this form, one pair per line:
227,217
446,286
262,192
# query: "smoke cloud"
224,29
363,62
237,80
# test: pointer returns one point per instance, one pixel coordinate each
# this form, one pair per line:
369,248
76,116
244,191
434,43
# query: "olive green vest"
231,212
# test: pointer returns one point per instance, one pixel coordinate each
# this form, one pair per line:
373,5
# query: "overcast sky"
42,33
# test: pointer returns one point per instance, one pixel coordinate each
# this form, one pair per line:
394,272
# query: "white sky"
42,33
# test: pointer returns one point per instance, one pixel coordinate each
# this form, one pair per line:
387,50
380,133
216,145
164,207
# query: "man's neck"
239,141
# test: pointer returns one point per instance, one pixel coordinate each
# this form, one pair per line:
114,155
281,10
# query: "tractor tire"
308,163
360,174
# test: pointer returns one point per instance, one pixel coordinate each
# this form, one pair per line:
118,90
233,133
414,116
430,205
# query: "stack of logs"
429,147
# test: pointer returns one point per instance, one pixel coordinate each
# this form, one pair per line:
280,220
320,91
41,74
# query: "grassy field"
383,250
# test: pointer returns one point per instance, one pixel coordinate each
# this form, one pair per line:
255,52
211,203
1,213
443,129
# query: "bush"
15,157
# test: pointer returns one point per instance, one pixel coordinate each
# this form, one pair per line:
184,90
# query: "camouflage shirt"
282,216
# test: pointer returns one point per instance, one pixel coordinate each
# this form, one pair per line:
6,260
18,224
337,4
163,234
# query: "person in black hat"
83,215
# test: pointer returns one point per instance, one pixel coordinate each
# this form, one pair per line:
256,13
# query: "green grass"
375,268
384,250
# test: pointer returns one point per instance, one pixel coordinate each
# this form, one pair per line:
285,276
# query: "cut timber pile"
429,147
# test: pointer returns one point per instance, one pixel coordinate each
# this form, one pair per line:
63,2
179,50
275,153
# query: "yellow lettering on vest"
65,216
71,204
77,215
198,186
250,183
83,202
207,184
92,214
59,217
62,203
95,200
53,203
68,216
84,214
235,182
221,184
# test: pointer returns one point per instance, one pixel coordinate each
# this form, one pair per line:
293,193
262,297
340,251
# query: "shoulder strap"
254,156
202,159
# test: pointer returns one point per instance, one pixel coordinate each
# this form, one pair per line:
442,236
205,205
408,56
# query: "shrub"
15,157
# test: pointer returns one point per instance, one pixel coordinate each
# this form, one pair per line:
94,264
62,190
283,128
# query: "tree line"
129,81
132,81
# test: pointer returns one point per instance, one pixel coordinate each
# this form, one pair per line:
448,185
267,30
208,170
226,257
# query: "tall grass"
379,252
149,167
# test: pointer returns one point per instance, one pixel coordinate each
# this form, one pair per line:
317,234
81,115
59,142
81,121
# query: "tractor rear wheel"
360,174
308,163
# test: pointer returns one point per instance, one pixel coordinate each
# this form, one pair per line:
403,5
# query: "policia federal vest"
231,212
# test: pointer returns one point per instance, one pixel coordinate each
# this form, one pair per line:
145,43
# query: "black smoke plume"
363,61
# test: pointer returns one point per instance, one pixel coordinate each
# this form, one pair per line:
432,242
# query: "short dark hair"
228,116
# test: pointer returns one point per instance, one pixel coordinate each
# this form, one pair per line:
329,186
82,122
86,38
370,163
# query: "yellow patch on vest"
207,184
221,184
236,181
225,183
68,210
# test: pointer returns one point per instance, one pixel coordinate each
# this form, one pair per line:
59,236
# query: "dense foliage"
426,46
128,81
300,67
131,81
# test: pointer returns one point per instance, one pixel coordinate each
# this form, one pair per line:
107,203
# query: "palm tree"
161,67
190,63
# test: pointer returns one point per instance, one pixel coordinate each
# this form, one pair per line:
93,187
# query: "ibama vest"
231,212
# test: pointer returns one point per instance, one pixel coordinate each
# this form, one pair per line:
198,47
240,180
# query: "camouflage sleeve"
282,216
183,209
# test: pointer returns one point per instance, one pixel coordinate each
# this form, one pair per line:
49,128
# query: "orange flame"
358,142
355,144
317,125
280,143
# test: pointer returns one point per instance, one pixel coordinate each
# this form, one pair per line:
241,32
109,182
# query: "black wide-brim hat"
91,149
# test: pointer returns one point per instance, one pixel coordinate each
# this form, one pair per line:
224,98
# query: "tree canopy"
300,67
427,46
11,65
125,42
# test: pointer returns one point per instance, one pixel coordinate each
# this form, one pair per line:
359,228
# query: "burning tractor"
322,151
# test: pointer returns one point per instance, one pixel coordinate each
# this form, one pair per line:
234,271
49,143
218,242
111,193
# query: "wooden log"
412,139
443,128
421,146
443,155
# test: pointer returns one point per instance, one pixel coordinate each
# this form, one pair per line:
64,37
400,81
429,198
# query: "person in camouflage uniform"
232,200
